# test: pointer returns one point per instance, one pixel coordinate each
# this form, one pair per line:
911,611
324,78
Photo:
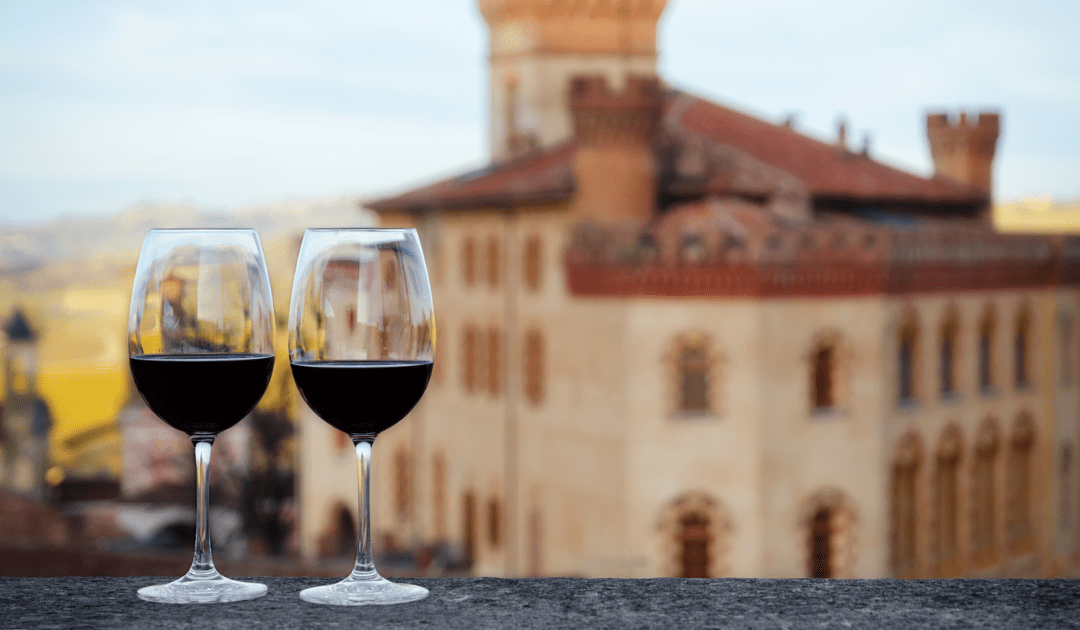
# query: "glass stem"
202,566
364,569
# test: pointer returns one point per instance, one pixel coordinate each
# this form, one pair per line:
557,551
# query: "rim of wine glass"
360,229
202,230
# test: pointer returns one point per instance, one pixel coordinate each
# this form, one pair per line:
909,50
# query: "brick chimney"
614,164
963,148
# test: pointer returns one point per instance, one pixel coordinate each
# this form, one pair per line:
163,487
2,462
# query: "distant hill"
117,237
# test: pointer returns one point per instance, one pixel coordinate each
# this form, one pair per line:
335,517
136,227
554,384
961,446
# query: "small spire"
17,327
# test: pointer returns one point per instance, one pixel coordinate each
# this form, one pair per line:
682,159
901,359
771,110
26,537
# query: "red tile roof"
537,178
827,171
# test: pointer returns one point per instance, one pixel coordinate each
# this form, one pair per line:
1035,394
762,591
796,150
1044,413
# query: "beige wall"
604,458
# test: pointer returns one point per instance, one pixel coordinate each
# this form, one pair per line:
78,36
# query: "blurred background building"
679,340
675,339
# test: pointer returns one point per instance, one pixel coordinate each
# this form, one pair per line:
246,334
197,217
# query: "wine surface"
361,397
201,393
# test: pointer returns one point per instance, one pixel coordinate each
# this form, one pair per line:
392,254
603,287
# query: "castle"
678,340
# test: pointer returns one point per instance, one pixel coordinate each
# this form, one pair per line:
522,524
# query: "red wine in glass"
201,350
361,345
361,397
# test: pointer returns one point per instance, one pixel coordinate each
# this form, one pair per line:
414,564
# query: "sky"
105,104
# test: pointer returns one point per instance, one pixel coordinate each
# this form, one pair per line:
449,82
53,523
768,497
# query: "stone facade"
676,340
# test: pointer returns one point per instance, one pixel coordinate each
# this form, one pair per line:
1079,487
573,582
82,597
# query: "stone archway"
828,521
695,534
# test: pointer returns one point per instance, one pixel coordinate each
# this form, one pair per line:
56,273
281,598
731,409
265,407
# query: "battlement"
963,146
639,93
984,126
495,11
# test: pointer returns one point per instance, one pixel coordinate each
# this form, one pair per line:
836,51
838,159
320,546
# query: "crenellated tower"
614,164
963,147
537,46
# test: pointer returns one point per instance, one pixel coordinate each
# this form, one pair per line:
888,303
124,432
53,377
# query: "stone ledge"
568,603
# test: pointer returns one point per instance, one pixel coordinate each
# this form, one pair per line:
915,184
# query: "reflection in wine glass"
200,346
361,346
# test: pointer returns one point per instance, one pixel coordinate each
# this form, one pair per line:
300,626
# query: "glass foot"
363,592
202,590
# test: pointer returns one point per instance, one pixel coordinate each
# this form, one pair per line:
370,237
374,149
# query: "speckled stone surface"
567,603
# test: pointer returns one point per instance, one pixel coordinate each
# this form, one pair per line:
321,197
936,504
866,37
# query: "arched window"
986,351
823,375
947,355
494,360
693,375
695,530
533,263
984,512
402,484
829,520
1065,489
468,261
494,523
468,526
338,539
1018,533
947,503
906,358
438,496
905,503
1022,349
821,553
694,540
493,259
533,366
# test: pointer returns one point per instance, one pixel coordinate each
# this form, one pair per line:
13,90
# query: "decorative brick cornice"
797,264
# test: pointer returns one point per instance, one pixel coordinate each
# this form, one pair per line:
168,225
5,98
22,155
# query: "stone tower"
537,46
26,418
963,148
614,164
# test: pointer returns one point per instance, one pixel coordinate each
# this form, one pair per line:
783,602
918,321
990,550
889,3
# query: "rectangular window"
822,378
906,368
1066,348
468,359
494,363
532,263
986,380
1021,350
948,360
468,261
694,380
493,262
534,367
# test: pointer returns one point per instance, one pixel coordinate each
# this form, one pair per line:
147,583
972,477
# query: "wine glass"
361,346
201,350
